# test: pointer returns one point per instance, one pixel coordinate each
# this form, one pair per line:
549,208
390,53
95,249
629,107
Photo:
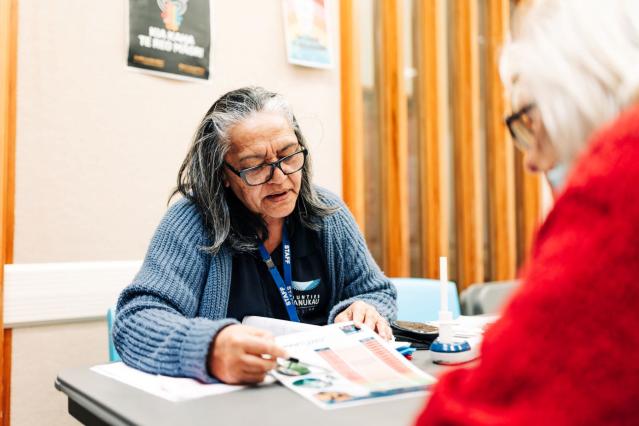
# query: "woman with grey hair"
251,235
565,349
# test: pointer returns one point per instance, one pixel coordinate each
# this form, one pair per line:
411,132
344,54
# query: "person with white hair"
564,350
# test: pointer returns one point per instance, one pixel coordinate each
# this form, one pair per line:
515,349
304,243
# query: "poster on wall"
170,37
307,31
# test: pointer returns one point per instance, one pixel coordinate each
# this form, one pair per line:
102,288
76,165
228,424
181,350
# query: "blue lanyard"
285,285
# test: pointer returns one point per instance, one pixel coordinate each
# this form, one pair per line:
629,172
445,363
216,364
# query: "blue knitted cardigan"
168,316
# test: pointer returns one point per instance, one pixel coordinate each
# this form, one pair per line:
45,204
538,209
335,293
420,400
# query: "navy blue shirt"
254,292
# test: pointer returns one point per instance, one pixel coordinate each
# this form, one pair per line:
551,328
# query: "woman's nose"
278,176
532,159
531,166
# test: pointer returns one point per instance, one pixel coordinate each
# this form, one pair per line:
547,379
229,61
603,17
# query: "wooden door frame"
8,67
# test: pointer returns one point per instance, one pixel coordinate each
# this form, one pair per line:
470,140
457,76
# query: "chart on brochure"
342,365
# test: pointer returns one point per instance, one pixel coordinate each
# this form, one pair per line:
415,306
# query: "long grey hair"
201,176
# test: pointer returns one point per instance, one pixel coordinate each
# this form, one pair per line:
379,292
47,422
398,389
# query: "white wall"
39,354
98,148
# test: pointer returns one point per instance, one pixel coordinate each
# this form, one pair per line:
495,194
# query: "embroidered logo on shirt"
306,285
305,302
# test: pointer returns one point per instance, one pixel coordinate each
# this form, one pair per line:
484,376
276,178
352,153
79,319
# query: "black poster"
170,36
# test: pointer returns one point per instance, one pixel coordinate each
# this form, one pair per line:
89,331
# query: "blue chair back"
418,299
113,354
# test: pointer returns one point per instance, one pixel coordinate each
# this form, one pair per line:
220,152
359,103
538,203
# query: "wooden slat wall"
352,114
432,87
499,155
8,59
514,198
528,190
468,206
393,114
528,199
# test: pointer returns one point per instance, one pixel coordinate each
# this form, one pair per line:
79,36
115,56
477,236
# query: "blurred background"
406,123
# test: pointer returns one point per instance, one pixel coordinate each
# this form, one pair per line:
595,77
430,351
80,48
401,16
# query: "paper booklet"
346,366
175,389
341,365
278,327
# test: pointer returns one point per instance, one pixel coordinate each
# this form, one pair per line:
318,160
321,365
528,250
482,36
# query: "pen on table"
290,360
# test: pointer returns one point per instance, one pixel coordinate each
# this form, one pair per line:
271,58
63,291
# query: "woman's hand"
362,313
236,354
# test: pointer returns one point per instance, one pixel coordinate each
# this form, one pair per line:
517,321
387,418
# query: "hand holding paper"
236,354
362,313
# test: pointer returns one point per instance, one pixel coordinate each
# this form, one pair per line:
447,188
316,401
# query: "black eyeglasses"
521,127
259,175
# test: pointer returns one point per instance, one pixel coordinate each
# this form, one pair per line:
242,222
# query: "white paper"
347,366
173,389
278,327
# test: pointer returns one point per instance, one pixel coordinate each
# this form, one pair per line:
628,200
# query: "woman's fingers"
377,323
362,313
371,318
382,328
345,315
359,312
238,354
262,346
257,364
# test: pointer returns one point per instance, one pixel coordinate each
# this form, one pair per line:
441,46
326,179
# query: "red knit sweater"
566,350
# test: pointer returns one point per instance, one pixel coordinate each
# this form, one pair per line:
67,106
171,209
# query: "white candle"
443,283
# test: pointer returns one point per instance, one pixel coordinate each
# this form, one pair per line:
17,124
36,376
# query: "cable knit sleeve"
356,275
157,328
